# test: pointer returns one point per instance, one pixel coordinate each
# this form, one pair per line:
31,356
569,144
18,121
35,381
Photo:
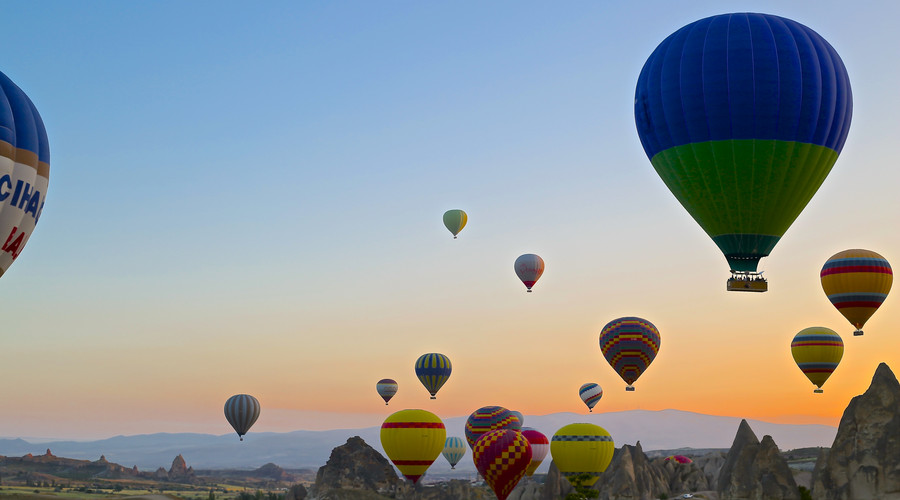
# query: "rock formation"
864,461
355,466
630,475
755,470
296,492
180,471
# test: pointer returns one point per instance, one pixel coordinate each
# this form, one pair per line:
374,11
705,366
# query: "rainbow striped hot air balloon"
489,418
540,446
582,449
386,388
743,116
590,393
857,282
241,411
433,370
454,450
413,439
455,221
817,351
501,457
629,345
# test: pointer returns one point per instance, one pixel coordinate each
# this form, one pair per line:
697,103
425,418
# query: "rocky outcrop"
272,471
864,460
630,475
358,467
180,471
296,492
683,478
555,485
755,470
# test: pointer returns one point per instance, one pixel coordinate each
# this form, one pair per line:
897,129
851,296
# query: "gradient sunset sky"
246,197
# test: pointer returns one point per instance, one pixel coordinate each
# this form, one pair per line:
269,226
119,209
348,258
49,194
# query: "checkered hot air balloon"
857,282
582,449
413,439
241,411
629,345
386,388
817,351
433,370
590,393
454,450
489,418
540,446
502,457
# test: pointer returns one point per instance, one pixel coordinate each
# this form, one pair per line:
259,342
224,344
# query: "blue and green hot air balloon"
743,117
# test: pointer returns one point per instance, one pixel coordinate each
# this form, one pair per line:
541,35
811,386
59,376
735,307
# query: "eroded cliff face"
755,470
864,460
355,467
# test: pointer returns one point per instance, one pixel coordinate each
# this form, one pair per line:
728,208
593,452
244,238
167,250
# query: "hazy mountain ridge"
665,429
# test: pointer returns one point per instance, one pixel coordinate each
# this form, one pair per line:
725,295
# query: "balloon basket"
433,397
857,333
454,237
242,438
744,281
629,388
529,290
818,391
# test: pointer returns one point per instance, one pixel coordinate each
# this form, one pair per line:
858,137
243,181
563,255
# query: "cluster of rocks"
863,463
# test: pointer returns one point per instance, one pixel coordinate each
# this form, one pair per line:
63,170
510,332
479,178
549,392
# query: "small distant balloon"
241,411
455,221
433,370
529,268
857,282
629,345
502,457
540,446
454,450
413,439
817,351
386,388
681,459
590,393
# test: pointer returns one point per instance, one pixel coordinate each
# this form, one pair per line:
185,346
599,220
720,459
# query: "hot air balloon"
454,450
242,410
413,439
817,351
501,457
24,170
489,418
590,393
743,117
529,268
681,459
386,388
540,445
519,416
455,220
857,282
629,345
433,370
582,449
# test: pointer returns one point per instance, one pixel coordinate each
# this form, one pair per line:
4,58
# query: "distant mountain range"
666,429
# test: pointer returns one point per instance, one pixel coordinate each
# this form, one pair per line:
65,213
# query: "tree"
212,495
581,492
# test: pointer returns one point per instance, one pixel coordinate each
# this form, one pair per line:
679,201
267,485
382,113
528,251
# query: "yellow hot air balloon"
857,282
817,351
582,449
413,439
455,220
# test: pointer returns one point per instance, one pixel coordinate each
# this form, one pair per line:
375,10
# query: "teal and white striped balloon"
454,450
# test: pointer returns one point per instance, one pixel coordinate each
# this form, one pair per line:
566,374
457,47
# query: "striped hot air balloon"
529,268
413,439
857,282
454,450
743,116
433,370
502,457
489,418
519,416
386,388
24,170
455,221
590,393
540,446
582,449
241,411
629,345
817,351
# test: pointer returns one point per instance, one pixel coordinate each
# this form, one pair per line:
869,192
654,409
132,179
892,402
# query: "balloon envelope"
489,418
629,344
582,449
433,370
413,439
590,393
857,282
540,446
454,450
241,411
529,268
817,352
386,388
24,170
743,116
455,221
519,416
681,459
501,457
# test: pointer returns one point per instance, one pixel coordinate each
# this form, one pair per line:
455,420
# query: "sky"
246,198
